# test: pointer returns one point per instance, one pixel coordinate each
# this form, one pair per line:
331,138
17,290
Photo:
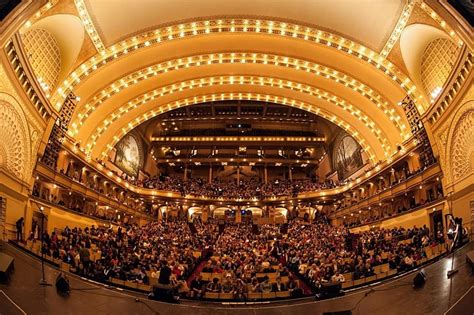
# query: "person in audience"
214,286
163,252
19,229
197,288
265,286
165,273
278,286
338,278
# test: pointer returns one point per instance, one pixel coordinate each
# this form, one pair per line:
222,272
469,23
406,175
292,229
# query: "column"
238,215
210,173
185,177
265,173
290,173
238,174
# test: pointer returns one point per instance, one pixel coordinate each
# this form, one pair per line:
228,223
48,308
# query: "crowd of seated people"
330,258
245,189
240,258
131,253
390,212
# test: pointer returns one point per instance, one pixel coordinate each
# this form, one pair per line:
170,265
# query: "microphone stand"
453,271
43,281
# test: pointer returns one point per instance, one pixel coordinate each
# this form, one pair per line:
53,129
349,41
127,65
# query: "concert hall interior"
234,157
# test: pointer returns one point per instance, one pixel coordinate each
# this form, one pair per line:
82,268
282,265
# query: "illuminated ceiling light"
436,91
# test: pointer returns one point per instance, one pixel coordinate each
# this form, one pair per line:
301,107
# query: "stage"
23,294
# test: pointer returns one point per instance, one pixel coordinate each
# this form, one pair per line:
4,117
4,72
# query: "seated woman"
265,286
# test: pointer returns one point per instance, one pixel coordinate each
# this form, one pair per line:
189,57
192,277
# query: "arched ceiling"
108,16
313,55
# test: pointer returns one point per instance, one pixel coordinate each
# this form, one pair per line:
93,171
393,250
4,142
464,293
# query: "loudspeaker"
419,279
6,266
470,259
329,290
62,284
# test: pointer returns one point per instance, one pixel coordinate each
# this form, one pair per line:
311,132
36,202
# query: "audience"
241,257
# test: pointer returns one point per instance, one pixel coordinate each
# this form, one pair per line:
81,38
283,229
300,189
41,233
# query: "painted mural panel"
129,157
347,157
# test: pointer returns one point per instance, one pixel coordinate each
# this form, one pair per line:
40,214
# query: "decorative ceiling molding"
397,31
89,25
390,110
234,96
242,80
442,23
45,8
230,26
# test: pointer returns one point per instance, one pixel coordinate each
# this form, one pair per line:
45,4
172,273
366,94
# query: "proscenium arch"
107,142
240,81
238,26
394,112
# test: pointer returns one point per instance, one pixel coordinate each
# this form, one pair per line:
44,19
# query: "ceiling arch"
113,129
395,113
114,134
376,90
241,80
261,28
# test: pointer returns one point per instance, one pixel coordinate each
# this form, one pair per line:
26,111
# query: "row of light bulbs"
240,58
274,28
397,31
233,96
267,139
223,80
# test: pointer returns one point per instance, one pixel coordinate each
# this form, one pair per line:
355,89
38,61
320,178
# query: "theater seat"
117,281
131,284
206,276
348,276
381,275
282,294
211,295
268,295
254,295
371,278
385,268
226,296
359,281
144,287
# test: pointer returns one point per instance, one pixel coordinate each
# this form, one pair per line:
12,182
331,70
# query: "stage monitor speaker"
329,290
6,266
164,294
62,284
470,259
419,279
